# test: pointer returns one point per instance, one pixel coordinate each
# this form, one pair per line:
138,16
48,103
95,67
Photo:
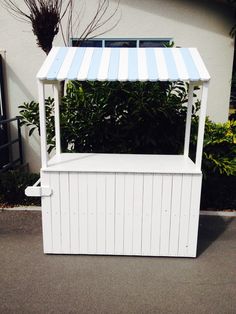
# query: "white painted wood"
92,213
62,74
104,66
201,125
175,215
46,217
85,64
123,65
128,214
42,73
194,215
137,214
65,212
142,65
101,213
119,214
57,117
122,163
42,116
184,214
147,213
156,214
83,213
166,214
56,212
188,120
74,212
110,213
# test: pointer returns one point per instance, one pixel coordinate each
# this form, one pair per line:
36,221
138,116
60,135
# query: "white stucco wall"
201,24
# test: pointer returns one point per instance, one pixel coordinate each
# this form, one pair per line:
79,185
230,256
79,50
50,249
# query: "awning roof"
124,64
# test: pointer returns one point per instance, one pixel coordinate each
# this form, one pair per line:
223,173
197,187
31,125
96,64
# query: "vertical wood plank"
184,215
74,212
110,213
137,214
83,219
65,212
165,214
119,214
46,216
156,214
147,213
92,215
194,215
128,213
56,212
175,214
101,213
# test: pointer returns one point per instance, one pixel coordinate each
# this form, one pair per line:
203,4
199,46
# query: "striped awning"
123,64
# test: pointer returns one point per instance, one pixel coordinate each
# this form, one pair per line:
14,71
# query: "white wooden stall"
121,204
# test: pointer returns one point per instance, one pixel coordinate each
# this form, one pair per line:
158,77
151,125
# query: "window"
120,42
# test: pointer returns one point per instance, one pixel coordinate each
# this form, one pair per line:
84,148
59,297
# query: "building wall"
201,24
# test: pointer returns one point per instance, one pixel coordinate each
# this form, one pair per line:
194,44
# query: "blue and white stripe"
124,64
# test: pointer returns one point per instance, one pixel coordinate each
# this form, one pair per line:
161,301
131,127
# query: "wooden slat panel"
165,214
137,214
46,216
156,214
147,213
194,215
175,214
83,219
74,212
110,213
56,212
101,213
65,212
184,218
128,213
92,215
119,214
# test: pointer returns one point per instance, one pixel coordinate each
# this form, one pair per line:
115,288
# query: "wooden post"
42,116
188,120
57,95
201,124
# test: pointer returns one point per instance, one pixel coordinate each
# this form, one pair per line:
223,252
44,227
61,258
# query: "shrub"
12,187
137,117
219,147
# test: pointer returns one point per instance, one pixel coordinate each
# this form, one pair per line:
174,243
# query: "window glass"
131,43
121,43
86,43
153,43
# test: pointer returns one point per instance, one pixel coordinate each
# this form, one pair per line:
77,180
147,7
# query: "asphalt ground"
31,282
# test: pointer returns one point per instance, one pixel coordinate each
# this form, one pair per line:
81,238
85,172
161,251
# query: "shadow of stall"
211,228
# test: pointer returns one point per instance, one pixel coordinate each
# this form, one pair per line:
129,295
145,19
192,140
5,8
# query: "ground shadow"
210,228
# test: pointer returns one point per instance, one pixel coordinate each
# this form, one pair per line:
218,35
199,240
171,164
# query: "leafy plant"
219,150
141,117
12,187
137,117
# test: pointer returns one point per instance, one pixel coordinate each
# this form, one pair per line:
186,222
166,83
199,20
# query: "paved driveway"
31,282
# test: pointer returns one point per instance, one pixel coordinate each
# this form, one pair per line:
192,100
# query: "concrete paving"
31,282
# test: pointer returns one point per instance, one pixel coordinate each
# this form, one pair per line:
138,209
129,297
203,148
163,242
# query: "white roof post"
42,115
201,124
188,120
57,116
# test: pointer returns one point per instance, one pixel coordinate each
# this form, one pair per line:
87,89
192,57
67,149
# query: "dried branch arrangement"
45,17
